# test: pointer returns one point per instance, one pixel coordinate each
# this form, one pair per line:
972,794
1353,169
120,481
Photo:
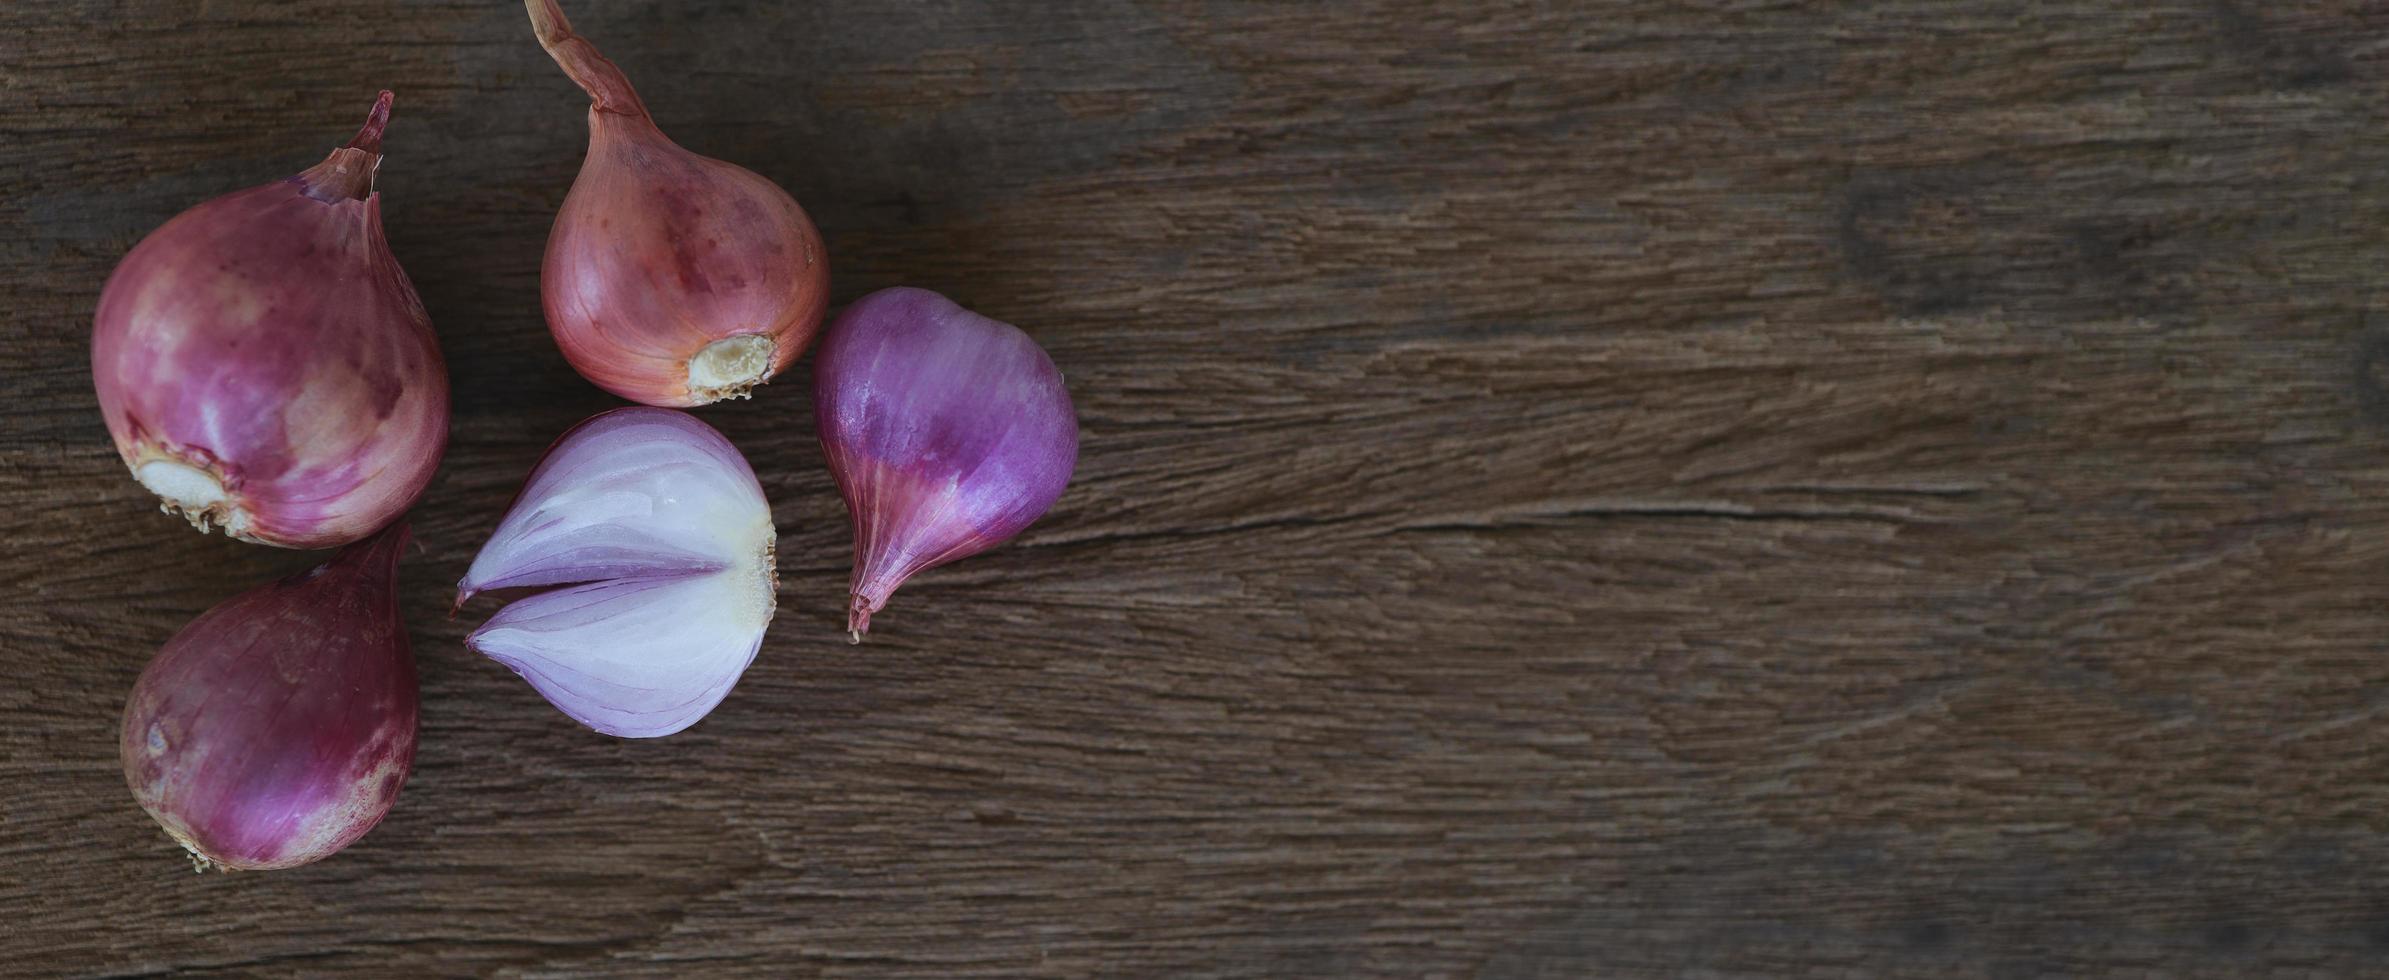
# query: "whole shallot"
671,279
265,366
948,433
277,727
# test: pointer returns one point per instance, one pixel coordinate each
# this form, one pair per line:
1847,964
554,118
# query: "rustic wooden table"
1570,489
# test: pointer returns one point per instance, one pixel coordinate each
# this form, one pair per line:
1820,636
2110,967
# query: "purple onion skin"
948,433
269,339
277,727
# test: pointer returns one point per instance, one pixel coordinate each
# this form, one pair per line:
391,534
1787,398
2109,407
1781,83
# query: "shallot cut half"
649,545
671,278
948,433
277,727
265,366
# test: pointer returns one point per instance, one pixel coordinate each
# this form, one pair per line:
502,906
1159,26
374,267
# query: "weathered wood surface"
1570,489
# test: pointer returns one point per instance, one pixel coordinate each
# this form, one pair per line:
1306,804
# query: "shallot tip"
369,137
609,90
858,617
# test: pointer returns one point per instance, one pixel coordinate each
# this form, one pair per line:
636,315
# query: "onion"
655,543
948,433
265,366
277,727
671,279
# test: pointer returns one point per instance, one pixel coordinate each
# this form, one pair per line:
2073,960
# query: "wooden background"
1570,489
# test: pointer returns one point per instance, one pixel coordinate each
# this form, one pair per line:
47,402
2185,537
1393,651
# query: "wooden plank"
1568,489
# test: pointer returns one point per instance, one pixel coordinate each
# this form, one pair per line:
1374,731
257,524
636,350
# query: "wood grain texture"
1569,489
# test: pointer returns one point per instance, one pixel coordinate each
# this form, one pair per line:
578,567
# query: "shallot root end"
196,495
730,368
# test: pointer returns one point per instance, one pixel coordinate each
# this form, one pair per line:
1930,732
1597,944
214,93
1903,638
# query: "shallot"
947,432
671,279
654,544
265,366
277,727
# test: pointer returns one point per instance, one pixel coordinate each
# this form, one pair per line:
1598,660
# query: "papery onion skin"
948,433
656,543
671,279
277,727
264,364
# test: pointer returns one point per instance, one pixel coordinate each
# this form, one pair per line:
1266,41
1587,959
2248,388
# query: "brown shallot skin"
671,279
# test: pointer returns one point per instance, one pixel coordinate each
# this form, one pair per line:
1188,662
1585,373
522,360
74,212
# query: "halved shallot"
653,544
